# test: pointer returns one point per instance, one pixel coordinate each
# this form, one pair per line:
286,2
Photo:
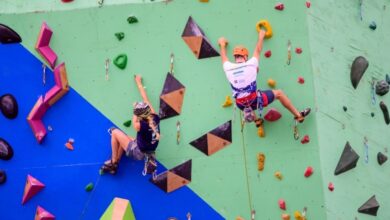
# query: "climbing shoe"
303,113
109,167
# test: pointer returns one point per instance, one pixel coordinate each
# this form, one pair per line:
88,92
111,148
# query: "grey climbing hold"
388,78
9,106
3,177
381,158
381,88
348,160
6,152
370,207
359,66
385,112
372,25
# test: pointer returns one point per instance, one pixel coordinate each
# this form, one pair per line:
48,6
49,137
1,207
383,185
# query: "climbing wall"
228,180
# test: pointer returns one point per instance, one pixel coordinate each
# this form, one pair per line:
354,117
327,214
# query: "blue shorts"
267,97
133,151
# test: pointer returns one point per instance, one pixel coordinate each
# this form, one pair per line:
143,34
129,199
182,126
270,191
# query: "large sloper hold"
207,50
184,170
32,187
192,29
161,181
381,158
347,160
385,112
174,178
171,98
166,111
174,99
9,106
201,144
119,209
6,151
370,207
8,35
359,66
224,131
171,84
42,214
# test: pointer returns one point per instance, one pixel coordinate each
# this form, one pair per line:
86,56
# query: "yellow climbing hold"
271,83
260,161
204,1
265,24
298,216
278,175
285,217
228,102
260,131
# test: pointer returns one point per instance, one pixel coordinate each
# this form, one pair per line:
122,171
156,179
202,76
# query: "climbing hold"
3,177
282,204
308,4
66,1
120,61
331,187
298,50
285,217
301,80
267,26
69,144
9,106
260,161
298,215
381,88
370,207
347,160
381,158
305,139
260,131
309,171
204,1
372,114
385,112
278,175
120,209
268,53
43,45
42,214
174,178
120,35
6,151
388,78
279,6
271,83
372,25
197,41
239,218
127,123
132,19
272,115
228,102
215,139
89,187
359,66
345,108
8,36
171,97
32,187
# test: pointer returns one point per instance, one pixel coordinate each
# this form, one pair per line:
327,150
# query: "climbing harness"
288,52
171,67
365,149
150,166
178,132
106,66
296,132
373,98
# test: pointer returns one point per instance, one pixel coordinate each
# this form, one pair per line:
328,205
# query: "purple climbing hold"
9,106
359,66
385,112
6,152
381,158
381,88
3,177
8,36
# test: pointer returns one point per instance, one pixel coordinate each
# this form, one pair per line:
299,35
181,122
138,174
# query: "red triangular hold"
42,214
272,115
32,187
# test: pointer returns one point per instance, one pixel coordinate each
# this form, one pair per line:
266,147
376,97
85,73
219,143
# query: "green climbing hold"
89,187
373,26
345,108
132,19
120,61
120,35
127,123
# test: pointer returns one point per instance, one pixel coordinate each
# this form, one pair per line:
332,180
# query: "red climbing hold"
272,115
298,50
279,6
66,1
282,204
268,53
301,80
309,171
305,139
308,4
331,187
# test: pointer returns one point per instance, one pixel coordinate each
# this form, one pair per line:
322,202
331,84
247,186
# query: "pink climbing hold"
308,4
272,115
279,6
268,53
66,1
301,80
43,47
309,171
298,50
331,187
42,214
305,139
32,187
282,204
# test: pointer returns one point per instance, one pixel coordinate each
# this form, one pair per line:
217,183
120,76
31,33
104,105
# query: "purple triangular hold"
183,170
201,144
166,111
192,29
224,131
206,50
171,84
161,181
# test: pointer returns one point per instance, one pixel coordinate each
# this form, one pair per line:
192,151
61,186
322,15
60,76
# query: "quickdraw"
365,150
288,52
178,132
106,66
171,67
150,165
373,97
100,2
296,132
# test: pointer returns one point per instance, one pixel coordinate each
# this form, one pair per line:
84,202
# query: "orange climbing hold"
278,175
260,131
261,161
228,102
204,1
285,217
271,83
299,216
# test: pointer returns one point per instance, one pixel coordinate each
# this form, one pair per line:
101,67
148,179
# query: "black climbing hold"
381,158
372,25
201,144
383,107
370,207
120,61
192,29
166,111
9,106
347,160
120,35
171,84
223,131
171,98
359,66
345,108
161,181
381,88
183,170
132,19
6,152
372,114
206,50
388,78
8,36
3,177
